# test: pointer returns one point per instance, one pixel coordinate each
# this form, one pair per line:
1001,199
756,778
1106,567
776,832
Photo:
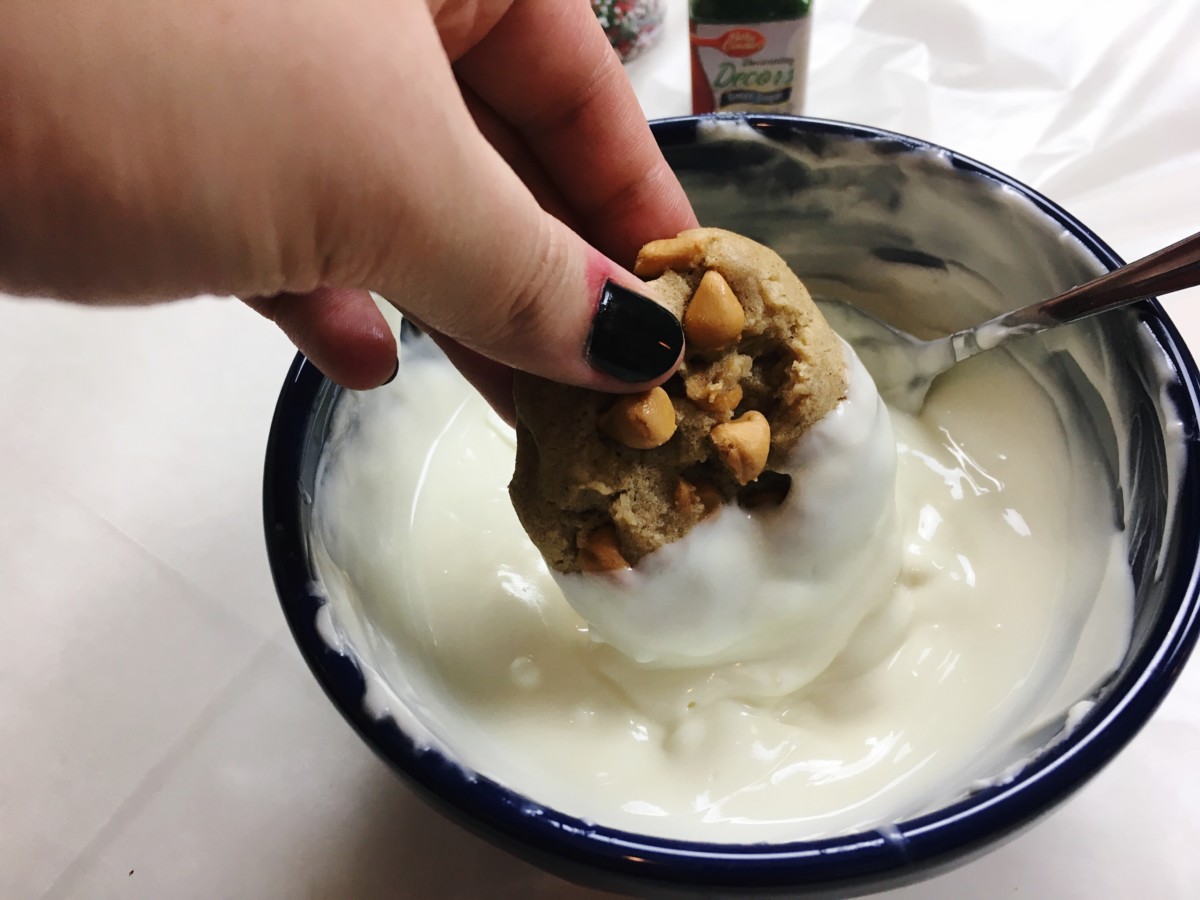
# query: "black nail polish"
395,372
632,337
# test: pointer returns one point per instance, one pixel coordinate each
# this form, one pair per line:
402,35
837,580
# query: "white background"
160,736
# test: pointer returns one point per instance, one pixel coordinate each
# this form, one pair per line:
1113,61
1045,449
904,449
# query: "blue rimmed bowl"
868,216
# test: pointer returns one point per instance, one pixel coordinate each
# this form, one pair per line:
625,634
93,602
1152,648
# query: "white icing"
1012,585
792,579
1012,605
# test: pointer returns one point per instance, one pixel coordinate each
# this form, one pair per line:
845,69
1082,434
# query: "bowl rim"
904,851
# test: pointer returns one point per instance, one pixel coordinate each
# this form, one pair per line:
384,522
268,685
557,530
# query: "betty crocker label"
749,68
739,42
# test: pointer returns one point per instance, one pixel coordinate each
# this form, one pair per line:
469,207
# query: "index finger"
548,70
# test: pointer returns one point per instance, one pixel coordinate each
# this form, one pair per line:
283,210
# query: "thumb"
549,304
505,279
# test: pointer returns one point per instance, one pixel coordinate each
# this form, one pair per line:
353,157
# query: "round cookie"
601,480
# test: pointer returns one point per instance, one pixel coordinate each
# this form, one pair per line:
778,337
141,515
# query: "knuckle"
521,321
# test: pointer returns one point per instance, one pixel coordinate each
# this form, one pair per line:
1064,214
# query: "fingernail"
632,337
395,372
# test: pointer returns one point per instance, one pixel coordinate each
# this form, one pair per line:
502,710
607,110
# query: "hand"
457,157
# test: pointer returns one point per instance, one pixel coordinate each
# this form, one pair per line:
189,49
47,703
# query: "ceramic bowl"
868,216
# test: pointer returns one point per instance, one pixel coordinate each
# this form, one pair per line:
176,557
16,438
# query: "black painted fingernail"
395,372
632,337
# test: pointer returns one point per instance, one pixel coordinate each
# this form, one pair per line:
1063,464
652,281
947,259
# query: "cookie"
602,480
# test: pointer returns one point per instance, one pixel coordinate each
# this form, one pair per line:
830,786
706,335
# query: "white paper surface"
160,736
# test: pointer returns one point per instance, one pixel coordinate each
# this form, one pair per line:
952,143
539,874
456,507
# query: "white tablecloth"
159,734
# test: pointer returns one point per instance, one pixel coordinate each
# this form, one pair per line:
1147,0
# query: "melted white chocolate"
793,579
869,703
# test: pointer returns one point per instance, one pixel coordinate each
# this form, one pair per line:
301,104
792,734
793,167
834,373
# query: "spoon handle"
1170,269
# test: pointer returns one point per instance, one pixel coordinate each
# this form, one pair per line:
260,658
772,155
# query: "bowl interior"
904,231
932,242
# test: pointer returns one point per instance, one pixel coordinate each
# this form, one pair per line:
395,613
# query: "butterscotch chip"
641,421
687,498
743,445
600,551
714,317
656,257
739,403
700,499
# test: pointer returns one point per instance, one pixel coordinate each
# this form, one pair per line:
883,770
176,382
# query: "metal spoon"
904,366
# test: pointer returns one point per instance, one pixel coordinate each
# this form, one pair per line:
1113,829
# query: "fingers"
514,285
571,102
431,216
342,333
512,148
455,238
